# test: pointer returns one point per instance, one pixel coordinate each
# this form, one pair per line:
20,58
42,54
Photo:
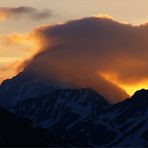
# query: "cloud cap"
89,48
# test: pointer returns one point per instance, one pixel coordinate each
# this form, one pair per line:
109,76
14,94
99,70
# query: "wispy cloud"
15,49
24,12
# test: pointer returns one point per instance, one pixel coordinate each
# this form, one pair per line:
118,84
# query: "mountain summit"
31,84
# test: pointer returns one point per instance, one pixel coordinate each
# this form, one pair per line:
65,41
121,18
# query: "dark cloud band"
24,12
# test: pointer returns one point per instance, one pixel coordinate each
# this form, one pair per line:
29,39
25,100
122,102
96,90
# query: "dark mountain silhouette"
17,132
62,104
81,118
71,116
29,84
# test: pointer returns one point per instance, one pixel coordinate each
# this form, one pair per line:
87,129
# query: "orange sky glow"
129,88
17,45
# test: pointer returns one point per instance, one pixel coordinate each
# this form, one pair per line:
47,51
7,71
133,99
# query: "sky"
18,18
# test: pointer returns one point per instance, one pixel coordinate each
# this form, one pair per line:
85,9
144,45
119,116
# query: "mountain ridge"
120,122
26,84
77,117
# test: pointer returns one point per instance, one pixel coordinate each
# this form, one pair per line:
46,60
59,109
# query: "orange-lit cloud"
8,67
23,12
92,52
95,46
130,88
14,39
20,42
16,49
100,15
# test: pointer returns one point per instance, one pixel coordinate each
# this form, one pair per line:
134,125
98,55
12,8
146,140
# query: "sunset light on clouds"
74,73
20,42
15,49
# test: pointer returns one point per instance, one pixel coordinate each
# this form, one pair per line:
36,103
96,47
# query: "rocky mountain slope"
76,116
71,105
83,118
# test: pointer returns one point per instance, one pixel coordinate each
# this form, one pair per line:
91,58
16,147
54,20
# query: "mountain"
21,87
30,84
76,116
17,133
61,111
71,105
74,119
129,119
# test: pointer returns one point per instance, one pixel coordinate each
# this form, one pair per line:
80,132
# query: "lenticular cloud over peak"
78,52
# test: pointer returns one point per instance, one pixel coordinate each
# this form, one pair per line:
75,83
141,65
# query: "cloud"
16,43
14,39
24,12
15,50
100,15
111,47
9,68
78,52
92,52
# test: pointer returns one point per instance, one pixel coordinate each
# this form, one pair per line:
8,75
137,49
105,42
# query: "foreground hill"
17,132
